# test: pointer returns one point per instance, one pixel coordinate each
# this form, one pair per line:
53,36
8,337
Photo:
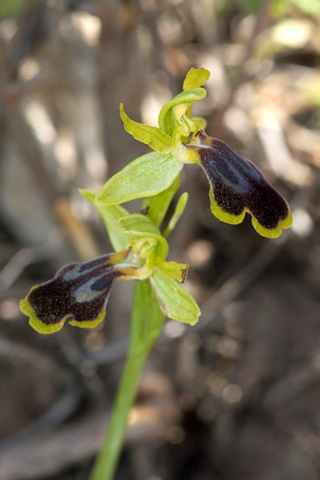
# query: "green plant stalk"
145,326
107,461
146,323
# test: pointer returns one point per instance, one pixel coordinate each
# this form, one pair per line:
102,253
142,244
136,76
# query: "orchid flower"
80,291
236,185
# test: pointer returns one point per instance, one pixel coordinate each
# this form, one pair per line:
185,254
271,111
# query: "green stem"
146,323
107,461
145,326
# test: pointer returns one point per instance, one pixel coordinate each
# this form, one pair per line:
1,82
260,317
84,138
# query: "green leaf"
174,301
167,119
158,205
146,176
138,225
152,136
111,217
195,78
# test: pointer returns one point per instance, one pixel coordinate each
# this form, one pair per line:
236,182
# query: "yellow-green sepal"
174,301
152,136
195,78
146,176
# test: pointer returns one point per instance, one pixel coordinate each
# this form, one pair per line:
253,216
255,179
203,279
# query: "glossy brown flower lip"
81,294
78,290
238,186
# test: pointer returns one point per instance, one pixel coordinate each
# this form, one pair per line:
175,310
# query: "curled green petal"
167,118
195,78
146,176
111,217
174,301
152,136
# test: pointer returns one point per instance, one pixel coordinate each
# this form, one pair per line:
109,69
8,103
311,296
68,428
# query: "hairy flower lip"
78,291
237,186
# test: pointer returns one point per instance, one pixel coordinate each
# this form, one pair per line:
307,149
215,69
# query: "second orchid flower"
236,185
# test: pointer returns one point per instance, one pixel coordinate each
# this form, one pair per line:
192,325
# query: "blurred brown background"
238,396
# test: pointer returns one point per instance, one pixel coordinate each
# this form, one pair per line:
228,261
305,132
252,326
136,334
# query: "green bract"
145,176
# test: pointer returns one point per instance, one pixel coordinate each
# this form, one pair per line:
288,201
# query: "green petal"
196,78
138,225
167,119
111,217
146,176
174,301
176,271
152,136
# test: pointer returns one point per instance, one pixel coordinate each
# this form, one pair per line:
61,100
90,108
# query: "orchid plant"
80,291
